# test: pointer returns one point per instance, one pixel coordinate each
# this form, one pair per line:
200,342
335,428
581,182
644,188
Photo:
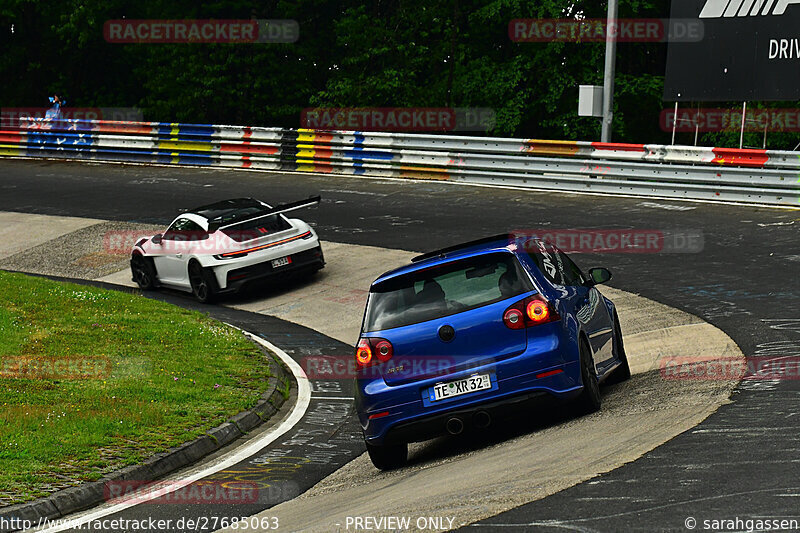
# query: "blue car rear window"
444,290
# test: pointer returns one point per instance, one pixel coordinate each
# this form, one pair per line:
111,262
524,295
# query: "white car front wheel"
143,272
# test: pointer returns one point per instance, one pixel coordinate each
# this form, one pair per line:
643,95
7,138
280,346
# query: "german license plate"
281,261
442,391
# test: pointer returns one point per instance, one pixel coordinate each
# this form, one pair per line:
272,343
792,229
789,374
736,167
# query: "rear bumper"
406,413
433,426
304,261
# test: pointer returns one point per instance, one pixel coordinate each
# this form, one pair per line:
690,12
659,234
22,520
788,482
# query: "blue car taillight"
530,311
373,350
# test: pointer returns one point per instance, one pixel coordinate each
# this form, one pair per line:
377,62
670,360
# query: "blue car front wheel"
589,399
623,371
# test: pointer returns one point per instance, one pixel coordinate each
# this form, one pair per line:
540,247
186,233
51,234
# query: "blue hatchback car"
464,333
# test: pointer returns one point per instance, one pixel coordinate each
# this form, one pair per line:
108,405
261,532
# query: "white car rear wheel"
204,286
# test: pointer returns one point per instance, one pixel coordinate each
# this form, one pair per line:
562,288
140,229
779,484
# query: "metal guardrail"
722,174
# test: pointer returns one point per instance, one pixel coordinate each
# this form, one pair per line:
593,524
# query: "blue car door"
576,298
590,309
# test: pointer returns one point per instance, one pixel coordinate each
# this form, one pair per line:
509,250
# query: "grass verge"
92,380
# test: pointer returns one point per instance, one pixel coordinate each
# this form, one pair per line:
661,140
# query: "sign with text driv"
750,51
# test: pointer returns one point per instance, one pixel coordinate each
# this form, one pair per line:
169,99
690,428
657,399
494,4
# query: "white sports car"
218,248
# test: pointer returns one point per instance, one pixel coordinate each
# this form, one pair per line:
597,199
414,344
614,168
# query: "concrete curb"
68,501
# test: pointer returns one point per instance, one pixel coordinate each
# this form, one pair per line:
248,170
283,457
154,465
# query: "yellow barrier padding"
185,146
10,149
322,147
313,168
306,137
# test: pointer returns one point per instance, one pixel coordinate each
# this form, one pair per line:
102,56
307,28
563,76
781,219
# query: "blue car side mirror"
599,275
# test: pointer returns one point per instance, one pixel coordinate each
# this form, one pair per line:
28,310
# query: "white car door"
175,248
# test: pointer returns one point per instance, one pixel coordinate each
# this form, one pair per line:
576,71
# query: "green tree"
351,53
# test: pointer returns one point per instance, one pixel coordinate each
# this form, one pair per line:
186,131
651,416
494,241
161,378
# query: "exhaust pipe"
454,426
481,419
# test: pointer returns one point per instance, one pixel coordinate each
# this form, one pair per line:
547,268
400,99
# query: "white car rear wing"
278,210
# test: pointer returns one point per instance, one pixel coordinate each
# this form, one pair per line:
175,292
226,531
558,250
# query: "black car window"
571,273
444,290
184,229
255,229
556,266
546,260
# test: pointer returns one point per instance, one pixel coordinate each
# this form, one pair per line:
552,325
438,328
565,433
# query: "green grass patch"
92,380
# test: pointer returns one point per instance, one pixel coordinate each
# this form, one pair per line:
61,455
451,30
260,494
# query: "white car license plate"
281,261
468,385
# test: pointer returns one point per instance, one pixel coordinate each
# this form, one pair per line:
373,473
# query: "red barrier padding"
12,136
621,147
740,158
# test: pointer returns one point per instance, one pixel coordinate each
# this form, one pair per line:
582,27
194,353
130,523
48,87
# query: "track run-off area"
660,451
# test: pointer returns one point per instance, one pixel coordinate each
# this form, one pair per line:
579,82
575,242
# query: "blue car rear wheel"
388,457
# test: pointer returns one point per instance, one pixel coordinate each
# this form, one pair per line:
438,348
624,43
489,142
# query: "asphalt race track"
741,462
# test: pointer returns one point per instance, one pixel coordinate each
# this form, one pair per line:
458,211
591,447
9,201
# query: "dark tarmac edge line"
81,497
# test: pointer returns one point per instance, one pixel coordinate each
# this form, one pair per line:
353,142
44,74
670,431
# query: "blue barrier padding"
74,151
45,137
88,153
184,158
359,153
195,159
187,131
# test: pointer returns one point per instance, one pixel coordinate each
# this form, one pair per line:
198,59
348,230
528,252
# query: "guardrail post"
608,77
